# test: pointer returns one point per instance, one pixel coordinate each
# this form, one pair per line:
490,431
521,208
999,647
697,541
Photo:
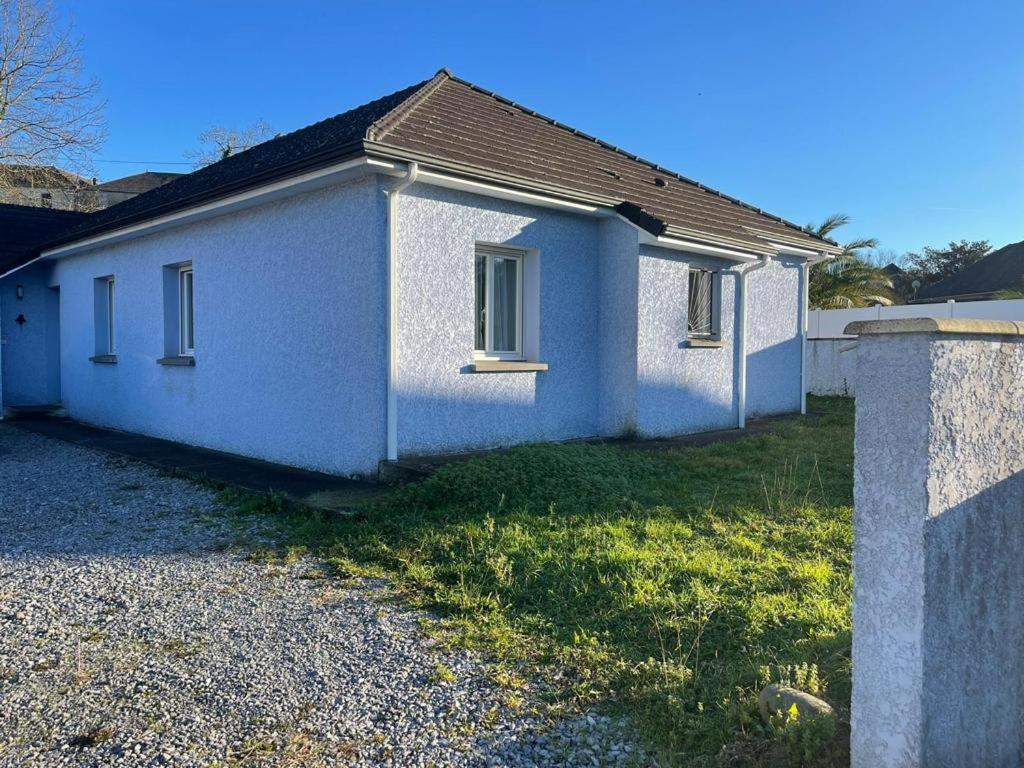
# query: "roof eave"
342,171
755,247
321,160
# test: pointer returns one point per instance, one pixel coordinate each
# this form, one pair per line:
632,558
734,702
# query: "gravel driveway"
130,635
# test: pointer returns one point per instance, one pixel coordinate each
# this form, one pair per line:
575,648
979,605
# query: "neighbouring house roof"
138,183
1001,270
451,124
40,177
23,227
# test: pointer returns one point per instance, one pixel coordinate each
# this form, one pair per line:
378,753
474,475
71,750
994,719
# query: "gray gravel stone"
130,635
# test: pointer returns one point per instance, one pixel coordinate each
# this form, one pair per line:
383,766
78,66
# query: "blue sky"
908,116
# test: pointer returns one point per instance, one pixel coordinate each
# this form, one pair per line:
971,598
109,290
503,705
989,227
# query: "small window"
499,302
702,309
185,313
110,316
104,315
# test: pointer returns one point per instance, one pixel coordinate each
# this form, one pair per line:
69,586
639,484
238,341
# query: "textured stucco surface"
290,333
442,406
29,373
681,389
939,499
612,327
773,339
831,366
973,695
618,276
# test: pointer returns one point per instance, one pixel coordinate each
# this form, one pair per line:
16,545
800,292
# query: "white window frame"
186,320
716,304
111,348
490,252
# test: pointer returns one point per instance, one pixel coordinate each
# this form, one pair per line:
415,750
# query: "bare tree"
219,143
49,113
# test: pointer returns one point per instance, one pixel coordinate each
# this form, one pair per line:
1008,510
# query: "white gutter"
741,393
810,257
392,192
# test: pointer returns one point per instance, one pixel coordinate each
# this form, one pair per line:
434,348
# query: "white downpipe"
741,395
393,191
805,308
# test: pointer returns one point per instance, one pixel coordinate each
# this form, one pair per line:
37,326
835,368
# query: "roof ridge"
631,155
384,125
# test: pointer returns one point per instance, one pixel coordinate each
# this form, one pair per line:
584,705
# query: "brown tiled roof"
456,121
452,125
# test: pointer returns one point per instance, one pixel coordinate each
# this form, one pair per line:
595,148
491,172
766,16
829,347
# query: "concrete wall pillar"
938,615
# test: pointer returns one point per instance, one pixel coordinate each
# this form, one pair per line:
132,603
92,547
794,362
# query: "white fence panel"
829,323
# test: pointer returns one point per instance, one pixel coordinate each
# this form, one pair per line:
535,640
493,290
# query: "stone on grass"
778,699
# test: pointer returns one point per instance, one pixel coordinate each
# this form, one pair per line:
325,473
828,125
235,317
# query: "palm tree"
847,280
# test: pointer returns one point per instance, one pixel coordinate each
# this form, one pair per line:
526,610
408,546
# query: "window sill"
506,366
184,360
705,343
108,359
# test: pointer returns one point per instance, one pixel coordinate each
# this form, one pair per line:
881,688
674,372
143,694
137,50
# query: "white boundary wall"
829,323
832,355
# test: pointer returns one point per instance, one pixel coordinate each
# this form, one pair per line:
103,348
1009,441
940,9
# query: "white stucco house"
435,271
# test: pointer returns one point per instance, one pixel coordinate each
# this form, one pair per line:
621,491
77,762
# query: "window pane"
110,316
699,309
185,294
189,330
506,304
481,303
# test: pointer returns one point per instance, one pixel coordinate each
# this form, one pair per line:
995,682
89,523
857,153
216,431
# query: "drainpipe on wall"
741,395
805,279
392,192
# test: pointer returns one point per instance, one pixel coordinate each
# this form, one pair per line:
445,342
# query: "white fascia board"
333,174
692,246
507,193
810,254
703,248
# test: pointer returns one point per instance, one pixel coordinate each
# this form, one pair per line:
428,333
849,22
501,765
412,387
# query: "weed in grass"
506,678
179,649
327,597
490,718
442,674
263,555
513,701
93,738
253,749
80,676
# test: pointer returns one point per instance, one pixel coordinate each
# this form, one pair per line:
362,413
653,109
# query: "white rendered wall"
290,333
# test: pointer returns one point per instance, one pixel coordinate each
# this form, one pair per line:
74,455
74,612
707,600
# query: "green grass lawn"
669,585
